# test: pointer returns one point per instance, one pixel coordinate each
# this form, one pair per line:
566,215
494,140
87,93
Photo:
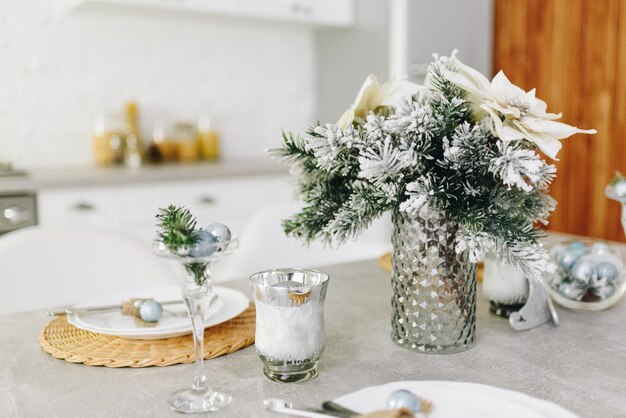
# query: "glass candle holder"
290,337
197,292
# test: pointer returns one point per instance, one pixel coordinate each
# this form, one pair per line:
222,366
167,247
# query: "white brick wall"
59,71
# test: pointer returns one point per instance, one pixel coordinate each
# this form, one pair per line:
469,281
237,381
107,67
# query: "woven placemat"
65,341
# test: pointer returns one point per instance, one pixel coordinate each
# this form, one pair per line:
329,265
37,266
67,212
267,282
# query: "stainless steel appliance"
17,210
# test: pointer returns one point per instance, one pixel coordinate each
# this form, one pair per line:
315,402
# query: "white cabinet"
131,208
93,206
338,13
252,207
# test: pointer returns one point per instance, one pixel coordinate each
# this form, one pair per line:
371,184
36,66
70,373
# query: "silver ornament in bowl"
590,275
583,271
220,231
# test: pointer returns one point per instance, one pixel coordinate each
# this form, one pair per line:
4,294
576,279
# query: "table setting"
462,164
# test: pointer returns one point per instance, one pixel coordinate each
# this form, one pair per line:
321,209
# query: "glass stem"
197,297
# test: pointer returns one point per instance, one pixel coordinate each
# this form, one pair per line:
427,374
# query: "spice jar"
208,140
184,134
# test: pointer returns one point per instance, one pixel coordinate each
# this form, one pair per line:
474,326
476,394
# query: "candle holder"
197,292
290,336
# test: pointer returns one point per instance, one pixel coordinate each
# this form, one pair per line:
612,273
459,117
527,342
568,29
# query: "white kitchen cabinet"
230,201
86,206
252,206
337,13
131,208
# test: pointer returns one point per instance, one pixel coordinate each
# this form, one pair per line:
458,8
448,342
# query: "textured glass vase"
434,289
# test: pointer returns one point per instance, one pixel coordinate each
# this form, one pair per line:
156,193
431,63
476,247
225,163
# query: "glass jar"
184,134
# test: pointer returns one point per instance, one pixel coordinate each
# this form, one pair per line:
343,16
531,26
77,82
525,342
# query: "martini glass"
197,292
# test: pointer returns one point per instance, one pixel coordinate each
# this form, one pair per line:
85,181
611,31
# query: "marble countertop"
581,364
92,176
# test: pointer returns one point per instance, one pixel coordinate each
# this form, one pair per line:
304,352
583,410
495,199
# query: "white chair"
45,267
263,245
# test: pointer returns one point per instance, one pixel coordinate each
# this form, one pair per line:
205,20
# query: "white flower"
515,114
373,95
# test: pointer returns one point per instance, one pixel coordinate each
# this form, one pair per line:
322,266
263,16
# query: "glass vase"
434,288
197,293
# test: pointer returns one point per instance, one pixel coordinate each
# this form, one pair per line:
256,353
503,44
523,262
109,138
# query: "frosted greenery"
430,153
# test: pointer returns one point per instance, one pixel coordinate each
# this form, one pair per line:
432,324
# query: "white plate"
229,304
458,399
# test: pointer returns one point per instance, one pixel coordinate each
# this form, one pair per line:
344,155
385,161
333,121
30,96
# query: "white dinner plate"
458,399
229,304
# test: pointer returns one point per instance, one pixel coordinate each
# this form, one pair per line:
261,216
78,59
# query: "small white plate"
229,304
458,399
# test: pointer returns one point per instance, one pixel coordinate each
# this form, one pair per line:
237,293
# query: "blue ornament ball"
577,247
583,271
219,231
404,399
205,245
606,271
150,310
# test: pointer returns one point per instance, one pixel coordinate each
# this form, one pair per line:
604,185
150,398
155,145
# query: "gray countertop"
580,364
92,176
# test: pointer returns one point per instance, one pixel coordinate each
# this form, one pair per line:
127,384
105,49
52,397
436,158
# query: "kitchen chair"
43,267
263,245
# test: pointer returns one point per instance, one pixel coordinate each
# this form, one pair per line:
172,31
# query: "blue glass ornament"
150,310
606,271
205,246
577,247
583,271
219,231
404,399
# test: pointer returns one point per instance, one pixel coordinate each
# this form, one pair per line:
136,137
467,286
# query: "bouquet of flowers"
460,145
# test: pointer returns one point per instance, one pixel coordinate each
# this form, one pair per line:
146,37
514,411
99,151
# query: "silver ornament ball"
571,290
404,399
583,271
205,246
568,260
219,231
606,271
150,310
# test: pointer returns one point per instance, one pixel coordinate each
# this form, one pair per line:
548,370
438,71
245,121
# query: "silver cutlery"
101,308
338,410
284,407
105,308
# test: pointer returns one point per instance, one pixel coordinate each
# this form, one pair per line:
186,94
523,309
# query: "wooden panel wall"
574,53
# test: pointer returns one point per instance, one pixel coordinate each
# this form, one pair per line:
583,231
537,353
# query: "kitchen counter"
93,176
579,364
